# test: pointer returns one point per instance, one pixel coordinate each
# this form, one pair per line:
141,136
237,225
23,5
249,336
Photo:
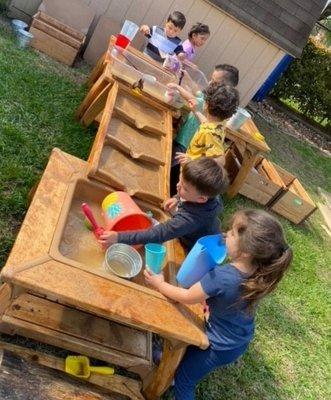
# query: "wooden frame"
32,268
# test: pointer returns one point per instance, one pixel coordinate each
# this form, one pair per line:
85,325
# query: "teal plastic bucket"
23,38
154,257
205,255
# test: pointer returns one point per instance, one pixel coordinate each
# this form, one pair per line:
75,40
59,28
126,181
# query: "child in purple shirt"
197,37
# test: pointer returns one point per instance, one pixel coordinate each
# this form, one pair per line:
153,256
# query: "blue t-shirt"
229,325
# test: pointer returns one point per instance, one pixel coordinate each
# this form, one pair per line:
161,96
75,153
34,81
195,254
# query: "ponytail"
262,236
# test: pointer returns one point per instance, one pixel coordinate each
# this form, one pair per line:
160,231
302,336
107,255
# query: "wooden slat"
115,301
272,173
30,323
61,26
56,33
81,325
5,295
53,47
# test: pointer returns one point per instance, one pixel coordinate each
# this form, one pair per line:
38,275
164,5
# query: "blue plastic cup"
205,255
154,257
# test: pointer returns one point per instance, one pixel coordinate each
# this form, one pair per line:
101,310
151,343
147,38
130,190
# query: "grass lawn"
289,356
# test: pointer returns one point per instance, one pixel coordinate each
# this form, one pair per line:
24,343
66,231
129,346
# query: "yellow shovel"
79,366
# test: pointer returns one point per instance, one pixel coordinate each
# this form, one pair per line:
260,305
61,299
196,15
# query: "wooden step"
80,332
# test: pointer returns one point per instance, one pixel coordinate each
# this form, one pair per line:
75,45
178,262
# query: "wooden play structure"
56,288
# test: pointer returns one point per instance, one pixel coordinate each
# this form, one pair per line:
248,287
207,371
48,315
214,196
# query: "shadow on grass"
249,378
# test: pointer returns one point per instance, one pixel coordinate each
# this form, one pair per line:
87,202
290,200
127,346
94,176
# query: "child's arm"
193,295
180,224
183,92
193,106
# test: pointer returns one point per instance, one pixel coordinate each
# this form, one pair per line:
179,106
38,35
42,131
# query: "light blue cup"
154,257
205,255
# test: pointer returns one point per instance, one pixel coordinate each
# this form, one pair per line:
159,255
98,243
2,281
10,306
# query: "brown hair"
262,236
207,175
221,100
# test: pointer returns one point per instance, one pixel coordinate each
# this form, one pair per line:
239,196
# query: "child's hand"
154,280
172,85
182,158
193,104
144,29
169,204
181,57
108,238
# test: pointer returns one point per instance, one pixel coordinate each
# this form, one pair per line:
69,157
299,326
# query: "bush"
307,82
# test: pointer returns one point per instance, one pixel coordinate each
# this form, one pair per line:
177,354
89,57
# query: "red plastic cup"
122,41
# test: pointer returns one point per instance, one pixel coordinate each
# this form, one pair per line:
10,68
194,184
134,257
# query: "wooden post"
249,157
159,381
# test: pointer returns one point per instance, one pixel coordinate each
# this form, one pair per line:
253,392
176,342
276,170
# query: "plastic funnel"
154,257
205,255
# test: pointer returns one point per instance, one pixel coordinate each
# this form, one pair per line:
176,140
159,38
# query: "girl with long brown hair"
259,258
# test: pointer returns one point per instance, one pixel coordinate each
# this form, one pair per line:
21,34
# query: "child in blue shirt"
196,208
163,41
259,258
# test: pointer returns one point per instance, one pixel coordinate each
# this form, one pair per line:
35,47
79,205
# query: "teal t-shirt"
191,125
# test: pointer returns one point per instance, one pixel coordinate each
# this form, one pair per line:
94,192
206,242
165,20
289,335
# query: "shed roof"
286,23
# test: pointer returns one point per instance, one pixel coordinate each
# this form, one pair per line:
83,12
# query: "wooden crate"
263,184
56,39
294,203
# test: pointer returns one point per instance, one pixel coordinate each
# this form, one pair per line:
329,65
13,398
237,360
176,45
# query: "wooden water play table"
58,292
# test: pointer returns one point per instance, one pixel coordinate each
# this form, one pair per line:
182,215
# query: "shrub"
307,82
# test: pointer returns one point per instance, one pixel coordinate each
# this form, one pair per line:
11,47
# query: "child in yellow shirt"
221,101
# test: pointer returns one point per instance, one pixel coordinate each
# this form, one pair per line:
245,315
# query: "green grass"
294,106
288,359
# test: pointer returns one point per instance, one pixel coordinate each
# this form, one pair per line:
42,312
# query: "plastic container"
23,38
121,213
123,260
160,41
197,76
17,24
238,119
131,69
128,32
205,255
154,257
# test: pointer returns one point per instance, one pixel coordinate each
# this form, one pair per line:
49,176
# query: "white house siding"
231,42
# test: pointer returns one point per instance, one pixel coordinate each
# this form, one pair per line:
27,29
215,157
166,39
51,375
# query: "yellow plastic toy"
258,136
79,366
